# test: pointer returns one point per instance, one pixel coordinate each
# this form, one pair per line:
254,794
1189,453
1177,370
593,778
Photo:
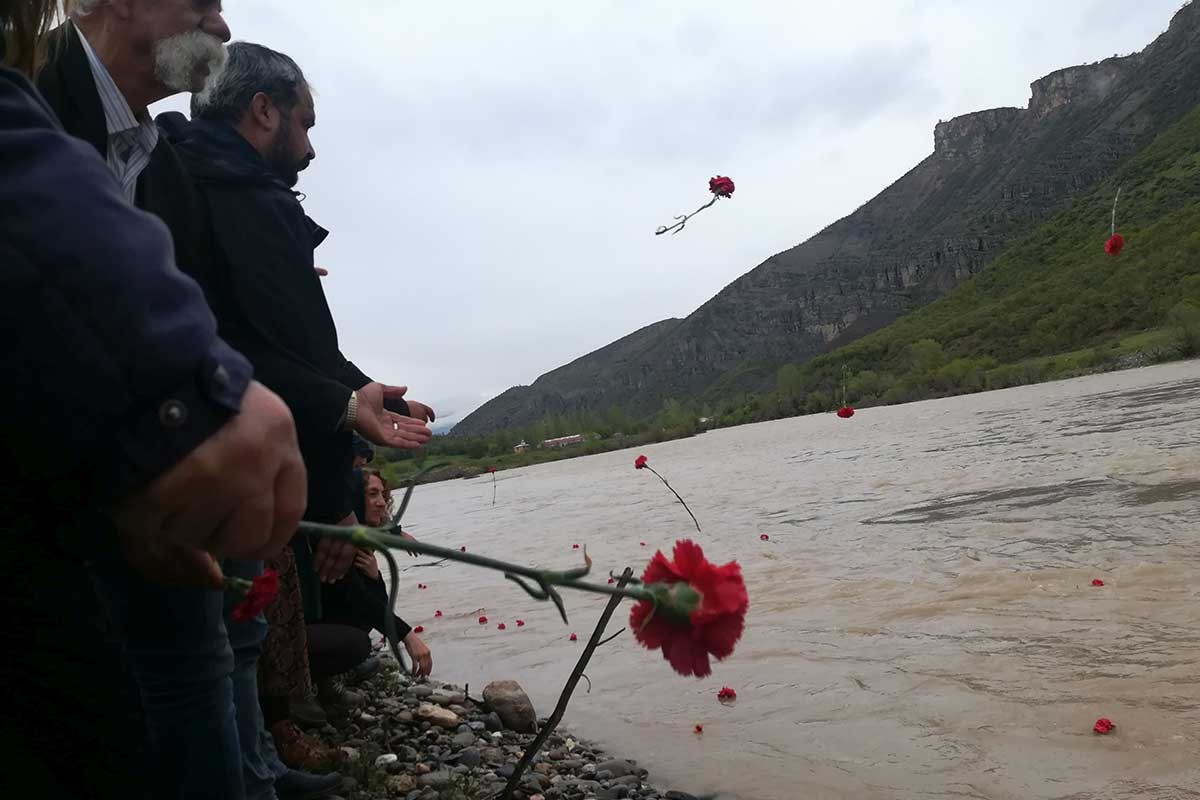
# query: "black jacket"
268,297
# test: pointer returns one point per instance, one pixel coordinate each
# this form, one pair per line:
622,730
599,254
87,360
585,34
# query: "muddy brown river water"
922,621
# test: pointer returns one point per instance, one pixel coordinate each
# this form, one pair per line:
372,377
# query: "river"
922,621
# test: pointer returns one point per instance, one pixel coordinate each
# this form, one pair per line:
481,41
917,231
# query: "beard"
180,60
281,160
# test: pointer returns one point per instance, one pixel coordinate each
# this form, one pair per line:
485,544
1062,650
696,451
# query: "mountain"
993,176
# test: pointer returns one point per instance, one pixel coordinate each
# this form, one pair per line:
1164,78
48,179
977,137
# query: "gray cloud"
492,174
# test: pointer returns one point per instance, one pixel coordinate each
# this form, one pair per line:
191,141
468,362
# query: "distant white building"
522,447
564,441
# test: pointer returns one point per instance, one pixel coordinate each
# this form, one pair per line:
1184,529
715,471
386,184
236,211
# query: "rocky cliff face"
993,175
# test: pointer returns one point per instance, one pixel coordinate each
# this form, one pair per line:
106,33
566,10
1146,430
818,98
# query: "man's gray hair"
250,69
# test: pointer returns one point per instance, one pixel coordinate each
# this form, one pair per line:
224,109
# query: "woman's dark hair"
387,490
23,27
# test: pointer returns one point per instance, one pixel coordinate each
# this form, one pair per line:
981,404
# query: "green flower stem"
383,541
380,539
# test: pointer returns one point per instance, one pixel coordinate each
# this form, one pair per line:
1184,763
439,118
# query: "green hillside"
1052,303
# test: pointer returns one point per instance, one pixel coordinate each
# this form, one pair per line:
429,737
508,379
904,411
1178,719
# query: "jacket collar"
67,84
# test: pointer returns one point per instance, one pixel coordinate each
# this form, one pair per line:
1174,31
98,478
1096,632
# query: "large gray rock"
513,706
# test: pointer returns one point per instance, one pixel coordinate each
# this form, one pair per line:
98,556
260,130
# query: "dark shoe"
299,751
336,699
297,785
307,711
366,669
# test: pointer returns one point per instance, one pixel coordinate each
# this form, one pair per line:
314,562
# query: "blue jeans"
179,654
260,763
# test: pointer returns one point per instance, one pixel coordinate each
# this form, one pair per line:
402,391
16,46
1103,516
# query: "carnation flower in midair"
1116,242
720,186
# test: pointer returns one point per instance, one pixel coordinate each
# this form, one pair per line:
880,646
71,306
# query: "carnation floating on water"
641,462
726,695
1103,726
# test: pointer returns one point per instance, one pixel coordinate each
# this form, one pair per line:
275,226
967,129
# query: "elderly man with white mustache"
196,673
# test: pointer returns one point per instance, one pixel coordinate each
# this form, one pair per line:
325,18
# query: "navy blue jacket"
112,367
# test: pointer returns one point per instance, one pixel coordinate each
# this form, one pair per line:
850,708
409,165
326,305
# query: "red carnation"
762,537
574,547
574,638
501,627
483,620
419,629
612,580
520,623
437,613
643,544
845,412
701,610
1103,726
422,586
726,695
491,469
262,591
640,462
698,730
1097,582
1115,244
721,186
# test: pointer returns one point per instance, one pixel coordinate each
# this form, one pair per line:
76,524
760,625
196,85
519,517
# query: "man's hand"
239,494
422,659
387,428
333,557
419,411
365,561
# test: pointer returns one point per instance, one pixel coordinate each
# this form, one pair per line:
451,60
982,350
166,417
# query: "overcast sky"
493,173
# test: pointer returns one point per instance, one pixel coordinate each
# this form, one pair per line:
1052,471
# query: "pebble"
426,741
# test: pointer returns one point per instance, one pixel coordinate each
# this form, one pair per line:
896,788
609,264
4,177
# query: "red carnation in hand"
574,638
501,627
262,591
1115,244
726,695
520,623
419,629
721,186
701,612
437,613
483,620
1097,582
640,462
1103,726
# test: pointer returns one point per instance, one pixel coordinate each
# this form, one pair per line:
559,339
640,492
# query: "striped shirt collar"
131,138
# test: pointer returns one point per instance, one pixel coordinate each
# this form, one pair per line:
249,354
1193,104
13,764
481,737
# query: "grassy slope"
1056,291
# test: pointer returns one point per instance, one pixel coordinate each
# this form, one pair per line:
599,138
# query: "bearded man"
108,63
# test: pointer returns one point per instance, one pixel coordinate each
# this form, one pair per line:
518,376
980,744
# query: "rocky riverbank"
434,741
